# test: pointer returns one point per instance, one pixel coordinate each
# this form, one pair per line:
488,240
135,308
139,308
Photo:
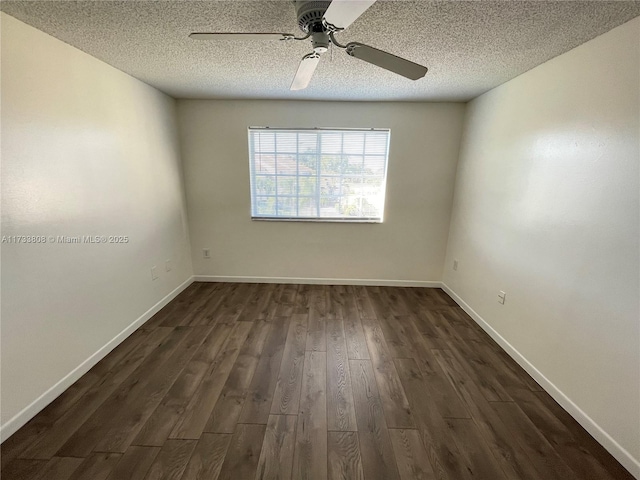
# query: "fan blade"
342,13
386,60
305,71
240,36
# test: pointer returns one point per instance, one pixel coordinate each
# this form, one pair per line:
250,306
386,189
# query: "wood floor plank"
423,297
171,461
543,457
287,293
187,305
480,370
97,466
200,314
256,305
459,322
176,304
508,378
440,298
23,468
507,452
58,468
126,424
243,454
134,463
227,410
397,337
356,342
585,441
444,329
340,409
197,412
378,461
83,441
478,457
394,401
395,298
301,297
206,461
209,314
39,426
426,323
286,396
413,463
317,307
334,301
234,301
511,364
284,301
310,455
437,387
162,421
276,457
140,361
341,301
442,450
363,302
381,307
30,433
563,442
422,311
257,404
389,305
345,462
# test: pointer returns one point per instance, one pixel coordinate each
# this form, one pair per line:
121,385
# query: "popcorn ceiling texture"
469,46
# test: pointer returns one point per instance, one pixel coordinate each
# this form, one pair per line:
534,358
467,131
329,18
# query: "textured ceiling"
469,46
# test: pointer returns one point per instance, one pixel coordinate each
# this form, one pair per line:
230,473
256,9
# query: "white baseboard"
56,390
320,281
622,455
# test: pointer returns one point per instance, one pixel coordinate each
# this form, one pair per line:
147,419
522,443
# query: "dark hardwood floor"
244,381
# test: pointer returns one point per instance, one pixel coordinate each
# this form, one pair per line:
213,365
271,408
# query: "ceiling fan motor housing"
310,13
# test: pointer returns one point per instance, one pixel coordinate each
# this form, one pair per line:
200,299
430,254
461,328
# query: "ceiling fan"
320,20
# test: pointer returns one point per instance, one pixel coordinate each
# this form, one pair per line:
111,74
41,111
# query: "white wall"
86,150
409,245
547,209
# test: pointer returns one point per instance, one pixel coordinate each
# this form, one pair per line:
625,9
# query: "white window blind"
318,174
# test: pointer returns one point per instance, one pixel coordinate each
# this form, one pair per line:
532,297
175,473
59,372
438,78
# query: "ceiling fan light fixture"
320,42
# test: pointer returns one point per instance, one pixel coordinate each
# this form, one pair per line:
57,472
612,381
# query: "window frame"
297,176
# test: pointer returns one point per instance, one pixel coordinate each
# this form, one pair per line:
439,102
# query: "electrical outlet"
206,253
154,273
455,264
167,265
502,297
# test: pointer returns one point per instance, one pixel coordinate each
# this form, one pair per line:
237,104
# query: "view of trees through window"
318,174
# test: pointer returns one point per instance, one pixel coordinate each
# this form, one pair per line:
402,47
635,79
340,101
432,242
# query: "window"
318,174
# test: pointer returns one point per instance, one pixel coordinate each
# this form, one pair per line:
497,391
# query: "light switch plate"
502,297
